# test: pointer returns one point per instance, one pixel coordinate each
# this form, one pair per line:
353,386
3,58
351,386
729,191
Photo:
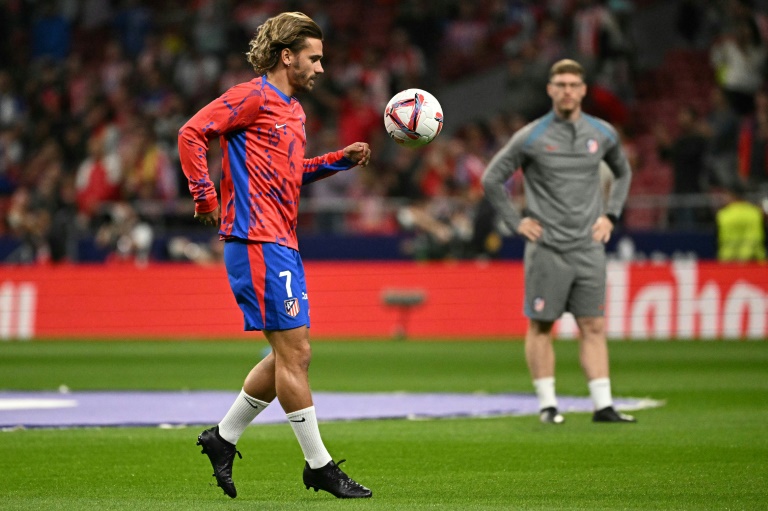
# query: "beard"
303,81
566,109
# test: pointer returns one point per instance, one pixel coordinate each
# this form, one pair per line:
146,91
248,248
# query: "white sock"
545,391
240,415
600,391
304,424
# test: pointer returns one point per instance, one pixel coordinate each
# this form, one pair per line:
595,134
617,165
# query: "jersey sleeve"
617,161
499,170
233,110
324,166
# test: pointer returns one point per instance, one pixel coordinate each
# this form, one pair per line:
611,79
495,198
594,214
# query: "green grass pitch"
707,448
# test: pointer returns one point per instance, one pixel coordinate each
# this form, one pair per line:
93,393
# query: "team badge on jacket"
592,146
292,307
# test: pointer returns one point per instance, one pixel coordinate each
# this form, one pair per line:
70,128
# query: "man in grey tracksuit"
565,224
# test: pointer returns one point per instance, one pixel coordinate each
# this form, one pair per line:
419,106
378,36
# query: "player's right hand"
530,229
210,218
358,152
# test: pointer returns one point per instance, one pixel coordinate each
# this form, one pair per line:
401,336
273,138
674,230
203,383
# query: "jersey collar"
280,93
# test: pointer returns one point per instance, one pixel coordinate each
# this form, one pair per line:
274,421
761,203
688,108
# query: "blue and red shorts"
268,282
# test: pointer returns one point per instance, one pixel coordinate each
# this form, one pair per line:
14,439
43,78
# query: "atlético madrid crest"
592,146
292,307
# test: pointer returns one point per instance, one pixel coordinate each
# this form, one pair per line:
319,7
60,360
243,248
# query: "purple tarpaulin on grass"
115,408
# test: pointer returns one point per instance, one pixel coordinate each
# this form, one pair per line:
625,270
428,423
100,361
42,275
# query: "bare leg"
540,355
539,352
593,348
594,361
291,355
260,382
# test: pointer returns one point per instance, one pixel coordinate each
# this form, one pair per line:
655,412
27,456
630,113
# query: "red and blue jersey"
262,137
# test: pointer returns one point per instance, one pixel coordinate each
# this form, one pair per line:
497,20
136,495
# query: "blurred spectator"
250,14
686,152
45,157
51,34
358,119
196,74
598,37
402,174
526,76
236,70
443,216
753,144
722,130
464,40
125,235
99,177
81,85
738,11
148,171
512,24
699,22
133,23
73,145
606,104
603,45
115,68
468,158
739,63
11,157
549,43
154,93
740,229
211,26
172,114
373,77
65,227
31,224
103,68
443,227
404,61
11,103
49,106
371,214
328,195
34,209
181,248
160,51
99,120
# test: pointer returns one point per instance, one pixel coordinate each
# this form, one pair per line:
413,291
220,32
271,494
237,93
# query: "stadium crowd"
92,94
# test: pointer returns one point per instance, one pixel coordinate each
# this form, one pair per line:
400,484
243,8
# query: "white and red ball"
413,118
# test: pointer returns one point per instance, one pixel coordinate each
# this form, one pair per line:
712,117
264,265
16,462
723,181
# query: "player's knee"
592,328
298,356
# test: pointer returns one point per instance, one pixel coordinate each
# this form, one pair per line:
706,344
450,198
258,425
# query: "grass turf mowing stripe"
706,449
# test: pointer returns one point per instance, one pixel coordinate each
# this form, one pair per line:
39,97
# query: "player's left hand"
209,218
602,229
358,152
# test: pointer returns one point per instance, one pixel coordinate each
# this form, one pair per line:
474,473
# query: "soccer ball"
413,118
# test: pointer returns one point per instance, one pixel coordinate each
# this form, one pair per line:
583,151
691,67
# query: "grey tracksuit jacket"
560,161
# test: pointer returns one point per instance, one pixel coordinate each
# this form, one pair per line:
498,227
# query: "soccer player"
260,126
565,227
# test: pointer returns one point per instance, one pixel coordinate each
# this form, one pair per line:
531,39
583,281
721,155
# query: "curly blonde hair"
287,30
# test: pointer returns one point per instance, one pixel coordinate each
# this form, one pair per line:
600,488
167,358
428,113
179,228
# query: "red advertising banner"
684,299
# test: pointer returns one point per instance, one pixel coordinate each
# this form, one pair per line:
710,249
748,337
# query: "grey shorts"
556,282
